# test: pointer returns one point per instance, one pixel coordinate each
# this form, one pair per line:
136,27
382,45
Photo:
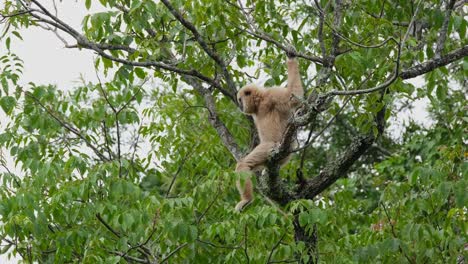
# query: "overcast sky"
46,61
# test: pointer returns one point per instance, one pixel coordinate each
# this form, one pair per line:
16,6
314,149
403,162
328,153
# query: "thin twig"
245,244
173,252
179,169
209,206
217,246
325,127
275,247
390,222
377,88
413,18
129,258
256,32
67,126
98,216
117,123
143,250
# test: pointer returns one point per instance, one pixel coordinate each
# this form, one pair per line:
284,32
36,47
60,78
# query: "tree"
89,191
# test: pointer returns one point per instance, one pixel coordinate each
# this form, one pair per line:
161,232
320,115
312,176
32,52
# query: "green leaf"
140,73
441,92
7,103
303,219
88,4
460,193
7,43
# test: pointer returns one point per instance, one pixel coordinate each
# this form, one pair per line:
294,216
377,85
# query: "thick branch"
100,48
337,168
270,182
430,65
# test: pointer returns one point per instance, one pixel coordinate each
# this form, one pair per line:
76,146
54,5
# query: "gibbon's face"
247,98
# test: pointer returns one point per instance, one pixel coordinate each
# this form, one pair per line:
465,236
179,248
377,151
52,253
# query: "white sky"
46,61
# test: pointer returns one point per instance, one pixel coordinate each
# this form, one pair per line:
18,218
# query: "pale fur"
270,108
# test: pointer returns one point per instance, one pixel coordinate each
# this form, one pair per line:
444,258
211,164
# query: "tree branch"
216,246
141,248
173,252
390,222
430,65
179,169
130,258
68,127
320,27
83,42
337,22
443,31
246,253
275,247
336,169
213,118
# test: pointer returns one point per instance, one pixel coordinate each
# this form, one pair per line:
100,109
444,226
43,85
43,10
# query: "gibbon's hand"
291,51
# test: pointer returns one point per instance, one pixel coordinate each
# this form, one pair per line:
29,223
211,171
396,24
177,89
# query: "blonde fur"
270,108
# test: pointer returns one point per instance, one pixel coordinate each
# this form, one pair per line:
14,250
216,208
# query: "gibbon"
270,108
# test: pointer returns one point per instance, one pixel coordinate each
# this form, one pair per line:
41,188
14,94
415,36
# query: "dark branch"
83,42
173,252
246,253
443,31
320,27
217,246
337,22
430,65
130,258
391,223
98,216
336,169
275,247
179,169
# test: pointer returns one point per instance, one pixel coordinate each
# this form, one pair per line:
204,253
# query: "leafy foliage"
130,171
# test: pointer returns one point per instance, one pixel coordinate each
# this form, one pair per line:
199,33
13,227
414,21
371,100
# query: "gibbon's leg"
294,78
249,163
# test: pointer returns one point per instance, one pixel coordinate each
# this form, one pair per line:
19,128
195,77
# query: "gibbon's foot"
240,206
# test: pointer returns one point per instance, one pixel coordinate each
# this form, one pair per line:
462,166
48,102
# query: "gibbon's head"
249,97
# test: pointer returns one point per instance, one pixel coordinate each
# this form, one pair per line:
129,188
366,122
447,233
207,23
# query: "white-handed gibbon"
271,109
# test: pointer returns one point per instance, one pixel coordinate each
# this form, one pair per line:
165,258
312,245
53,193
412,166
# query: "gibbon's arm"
294,78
